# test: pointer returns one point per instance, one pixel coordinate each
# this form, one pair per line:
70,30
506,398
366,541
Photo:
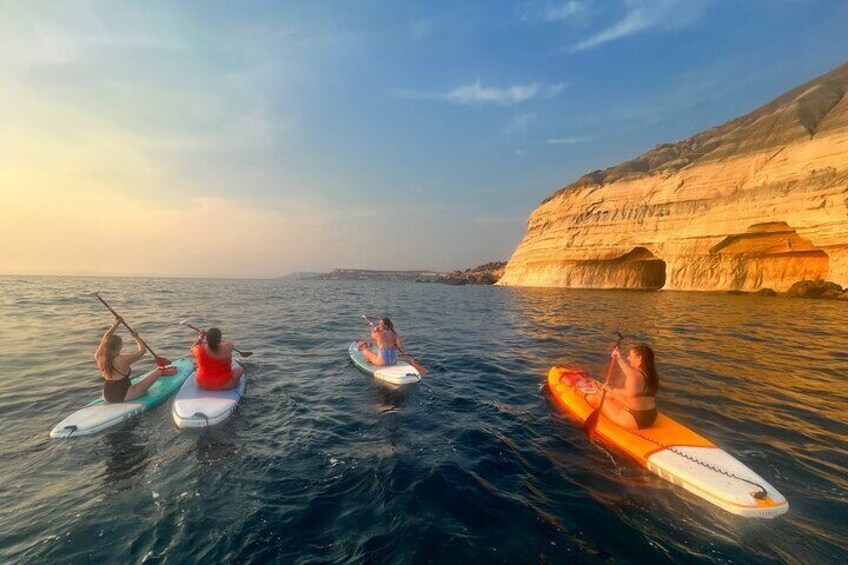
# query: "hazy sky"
209,139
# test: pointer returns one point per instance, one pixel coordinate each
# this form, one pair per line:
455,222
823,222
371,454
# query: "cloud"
569,140
568,11
71,33
645,15
91,231
475,94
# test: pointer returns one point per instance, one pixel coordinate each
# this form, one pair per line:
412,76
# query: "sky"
253,140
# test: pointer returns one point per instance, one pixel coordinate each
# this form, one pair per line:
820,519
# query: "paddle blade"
418,366
591,422
161,361
245,353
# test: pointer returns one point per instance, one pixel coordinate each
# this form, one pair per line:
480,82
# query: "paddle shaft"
112,310
198,330
612,361
592,421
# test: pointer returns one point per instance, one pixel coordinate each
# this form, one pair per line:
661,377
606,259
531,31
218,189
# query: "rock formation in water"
486,274
759,202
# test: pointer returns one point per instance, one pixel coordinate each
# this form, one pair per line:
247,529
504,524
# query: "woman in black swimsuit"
632,405
116,367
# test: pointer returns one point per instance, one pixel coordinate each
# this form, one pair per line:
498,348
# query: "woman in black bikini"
116,367
633,405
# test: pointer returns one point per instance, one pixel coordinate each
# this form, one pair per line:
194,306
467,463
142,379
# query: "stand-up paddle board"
401,373
100,415
196,408
675,453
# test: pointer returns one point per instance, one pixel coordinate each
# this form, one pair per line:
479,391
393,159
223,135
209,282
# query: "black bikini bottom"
115,391
644,418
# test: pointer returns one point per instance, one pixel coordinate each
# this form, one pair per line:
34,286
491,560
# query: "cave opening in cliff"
770,255
639,269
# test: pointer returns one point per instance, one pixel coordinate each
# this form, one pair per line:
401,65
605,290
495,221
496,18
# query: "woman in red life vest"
215,369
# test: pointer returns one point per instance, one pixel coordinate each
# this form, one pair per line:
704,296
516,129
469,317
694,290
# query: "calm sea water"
475,464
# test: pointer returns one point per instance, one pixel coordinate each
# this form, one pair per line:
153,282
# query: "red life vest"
212,373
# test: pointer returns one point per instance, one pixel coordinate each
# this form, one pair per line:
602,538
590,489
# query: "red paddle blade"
162,361
418,366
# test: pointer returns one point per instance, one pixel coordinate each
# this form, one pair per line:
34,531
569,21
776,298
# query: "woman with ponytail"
116,367
214,356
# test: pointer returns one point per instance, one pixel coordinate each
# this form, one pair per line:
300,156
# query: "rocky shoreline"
810,289
491,273
487,274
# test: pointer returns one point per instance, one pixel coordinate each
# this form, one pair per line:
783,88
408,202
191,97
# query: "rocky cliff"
758,202
486,274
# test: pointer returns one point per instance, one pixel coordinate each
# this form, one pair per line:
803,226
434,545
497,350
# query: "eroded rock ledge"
759,202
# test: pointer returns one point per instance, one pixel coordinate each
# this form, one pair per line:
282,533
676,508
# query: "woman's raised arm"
139,352
631,377
101,349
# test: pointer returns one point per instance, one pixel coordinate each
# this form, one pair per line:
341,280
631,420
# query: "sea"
475,464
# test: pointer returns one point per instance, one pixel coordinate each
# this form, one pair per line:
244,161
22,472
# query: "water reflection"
216,445
390,397
128,455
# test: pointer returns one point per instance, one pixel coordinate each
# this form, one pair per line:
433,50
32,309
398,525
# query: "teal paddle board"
99,415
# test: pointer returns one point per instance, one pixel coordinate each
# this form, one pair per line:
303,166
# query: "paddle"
198,330
160,361
418,366
592,421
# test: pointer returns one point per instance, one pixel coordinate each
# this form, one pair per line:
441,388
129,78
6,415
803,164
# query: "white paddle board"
401,373
197,408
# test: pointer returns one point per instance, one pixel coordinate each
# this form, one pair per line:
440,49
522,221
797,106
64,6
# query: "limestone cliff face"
759,202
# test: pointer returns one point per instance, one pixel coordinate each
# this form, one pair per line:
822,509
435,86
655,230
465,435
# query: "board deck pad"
197,408
400,373
674,452
99,415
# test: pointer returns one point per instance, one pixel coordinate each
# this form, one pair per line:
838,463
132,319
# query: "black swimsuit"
644,418
115,390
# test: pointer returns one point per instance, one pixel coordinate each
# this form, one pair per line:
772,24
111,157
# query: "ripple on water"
474,464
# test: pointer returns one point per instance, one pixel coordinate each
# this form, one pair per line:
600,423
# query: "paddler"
388,342
632,405
214,356
116,367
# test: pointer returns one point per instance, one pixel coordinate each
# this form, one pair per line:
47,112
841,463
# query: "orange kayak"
674,452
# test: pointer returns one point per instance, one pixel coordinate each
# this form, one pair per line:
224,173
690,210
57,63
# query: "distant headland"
487,274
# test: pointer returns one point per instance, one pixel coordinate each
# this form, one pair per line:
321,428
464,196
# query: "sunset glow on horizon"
192,139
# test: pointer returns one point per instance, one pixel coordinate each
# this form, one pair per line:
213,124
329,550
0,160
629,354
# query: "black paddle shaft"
112,310
198,330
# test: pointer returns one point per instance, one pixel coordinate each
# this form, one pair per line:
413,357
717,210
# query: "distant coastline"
486,274
375,275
